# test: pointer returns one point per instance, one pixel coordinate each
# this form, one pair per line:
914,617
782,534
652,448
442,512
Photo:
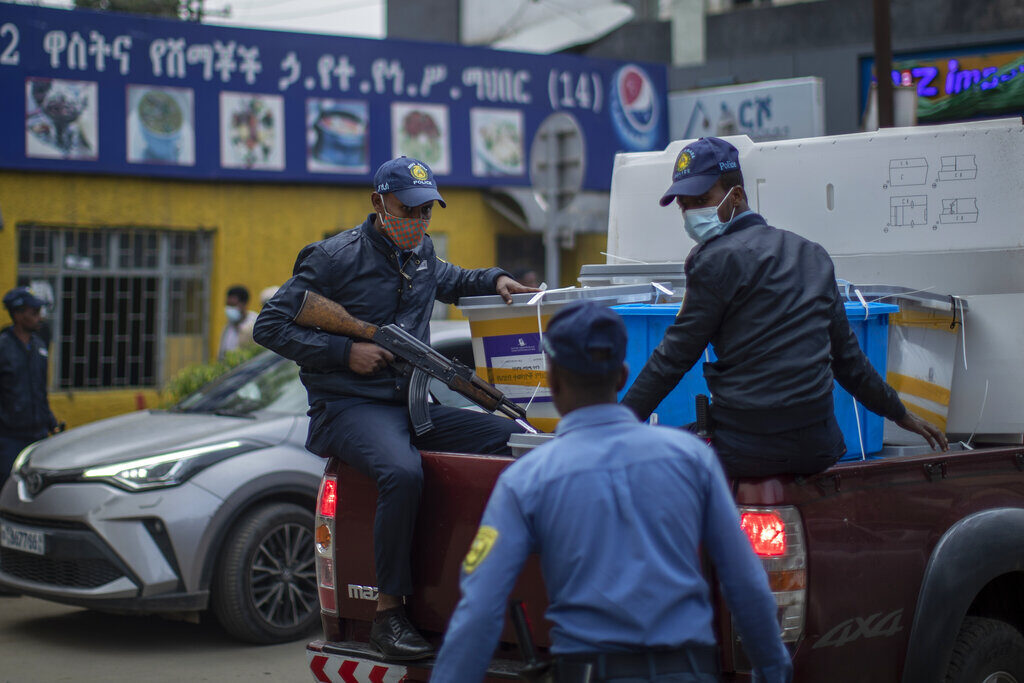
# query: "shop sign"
93,92
960,84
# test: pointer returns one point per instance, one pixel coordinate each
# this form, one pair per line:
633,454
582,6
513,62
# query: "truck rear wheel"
987,651
264,590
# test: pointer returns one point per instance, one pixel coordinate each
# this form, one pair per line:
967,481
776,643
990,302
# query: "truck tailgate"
455,491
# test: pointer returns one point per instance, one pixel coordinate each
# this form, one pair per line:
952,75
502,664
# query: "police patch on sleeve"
482,544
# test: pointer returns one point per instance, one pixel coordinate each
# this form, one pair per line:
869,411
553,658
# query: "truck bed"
891,569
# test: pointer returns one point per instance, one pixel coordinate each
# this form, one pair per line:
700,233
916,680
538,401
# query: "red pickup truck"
903,568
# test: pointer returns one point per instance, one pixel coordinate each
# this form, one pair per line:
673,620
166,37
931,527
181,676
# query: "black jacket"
360,270
24,407
767,300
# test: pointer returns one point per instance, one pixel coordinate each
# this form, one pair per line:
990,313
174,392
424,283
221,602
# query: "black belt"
600,666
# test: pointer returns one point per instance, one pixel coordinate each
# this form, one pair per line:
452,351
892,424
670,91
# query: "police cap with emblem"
698,167
586,338
409,179
22,297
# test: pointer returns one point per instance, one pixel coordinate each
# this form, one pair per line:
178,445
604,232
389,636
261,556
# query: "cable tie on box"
862,302
532,396
623,258
963,329
663,289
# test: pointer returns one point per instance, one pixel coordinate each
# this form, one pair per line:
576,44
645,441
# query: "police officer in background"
383,271
619,512
25,414
767,300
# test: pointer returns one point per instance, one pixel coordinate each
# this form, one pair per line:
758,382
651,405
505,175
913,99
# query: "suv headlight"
22,458
167,469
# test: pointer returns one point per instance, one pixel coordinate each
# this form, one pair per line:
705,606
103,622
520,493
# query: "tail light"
326,506
777,536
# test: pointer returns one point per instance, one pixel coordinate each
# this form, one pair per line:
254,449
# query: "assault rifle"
318,311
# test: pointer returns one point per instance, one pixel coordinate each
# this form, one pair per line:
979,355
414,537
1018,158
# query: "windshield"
267,382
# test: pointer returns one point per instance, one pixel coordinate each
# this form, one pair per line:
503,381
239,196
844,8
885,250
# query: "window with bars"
129,305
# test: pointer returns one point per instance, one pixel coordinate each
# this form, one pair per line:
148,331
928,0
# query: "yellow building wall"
588,249
258,230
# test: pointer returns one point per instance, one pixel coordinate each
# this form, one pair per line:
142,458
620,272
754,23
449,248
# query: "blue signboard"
93,92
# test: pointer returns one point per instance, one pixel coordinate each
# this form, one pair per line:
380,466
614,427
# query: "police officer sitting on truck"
767,300
383,271
618,512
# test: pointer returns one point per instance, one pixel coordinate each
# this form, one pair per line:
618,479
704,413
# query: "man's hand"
935,438
506,287
366,358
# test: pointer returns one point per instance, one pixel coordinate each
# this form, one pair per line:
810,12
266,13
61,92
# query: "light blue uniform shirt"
617,511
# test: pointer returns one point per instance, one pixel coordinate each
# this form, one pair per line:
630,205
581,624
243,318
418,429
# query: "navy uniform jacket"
364,272
767,300
24,407
618,512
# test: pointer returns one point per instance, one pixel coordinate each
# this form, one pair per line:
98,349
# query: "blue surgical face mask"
703,224
234,315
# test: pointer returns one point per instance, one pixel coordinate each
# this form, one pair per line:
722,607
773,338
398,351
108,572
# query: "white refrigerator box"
934,208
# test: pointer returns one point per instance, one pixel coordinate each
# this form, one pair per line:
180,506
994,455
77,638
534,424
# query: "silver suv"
205,506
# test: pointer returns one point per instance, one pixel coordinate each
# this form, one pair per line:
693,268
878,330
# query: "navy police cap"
22,297
409,179
698,166
586,338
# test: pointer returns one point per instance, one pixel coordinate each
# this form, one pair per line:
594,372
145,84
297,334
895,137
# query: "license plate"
330,668
20,538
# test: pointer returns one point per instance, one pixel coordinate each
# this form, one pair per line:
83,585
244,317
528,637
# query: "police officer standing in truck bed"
767,300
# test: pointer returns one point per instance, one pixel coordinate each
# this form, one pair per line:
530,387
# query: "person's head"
403,197
707,186
24,308
527,276
235,303
585,346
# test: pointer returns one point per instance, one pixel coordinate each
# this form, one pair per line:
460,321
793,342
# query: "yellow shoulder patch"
481,548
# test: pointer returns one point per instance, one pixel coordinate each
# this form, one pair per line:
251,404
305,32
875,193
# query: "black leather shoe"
397,638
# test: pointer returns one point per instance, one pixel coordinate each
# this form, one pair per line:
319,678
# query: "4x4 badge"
874,626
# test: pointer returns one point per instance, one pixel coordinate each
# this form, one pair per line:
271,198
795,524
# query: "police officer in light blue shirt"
618,512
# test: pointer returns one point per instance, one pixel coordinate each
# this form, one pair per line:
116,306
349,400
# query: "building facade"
147,165
138,267
716,43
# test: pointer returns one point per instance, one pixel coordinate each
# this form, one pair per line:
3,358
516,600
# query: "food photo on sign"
161,125
421,131
60,119
337,139
497,138
252,131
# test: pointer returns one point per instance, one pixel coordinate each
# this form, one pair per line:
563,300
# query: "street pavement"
45,642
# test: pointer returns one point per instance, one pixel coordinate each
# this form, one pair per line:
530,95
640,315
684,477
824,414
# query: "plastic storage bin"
506,340
872,332
646,325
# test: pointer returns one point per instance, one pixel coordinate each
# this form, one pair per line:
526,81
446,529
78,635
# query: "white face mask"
234,315
703,224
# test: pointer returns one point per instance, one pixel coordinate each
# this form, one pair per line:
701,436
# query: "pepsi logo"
635,108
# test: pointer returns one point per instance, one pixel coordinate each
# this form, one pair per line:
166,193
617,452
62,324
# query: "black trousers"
375,438
695,664
807,450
